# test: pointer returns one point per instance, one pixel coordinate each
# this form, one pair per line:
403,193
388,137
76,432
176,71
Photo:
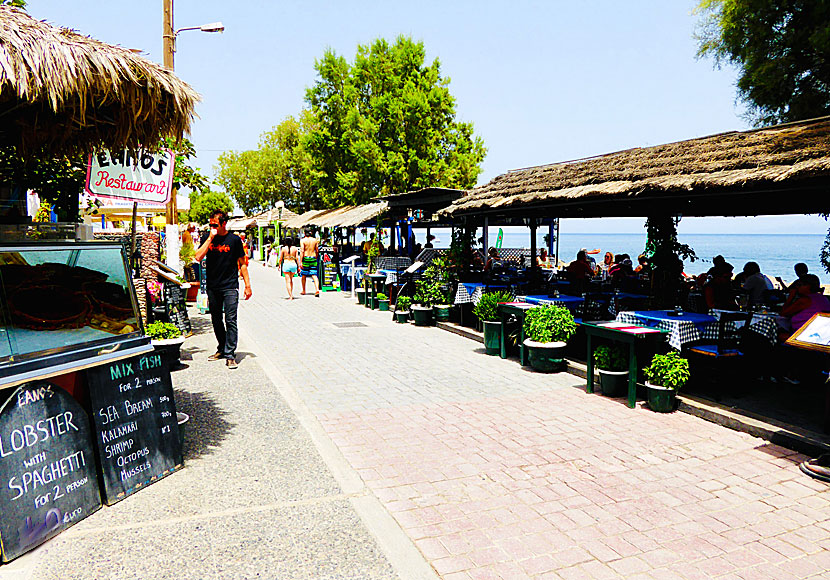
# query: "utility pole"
169,37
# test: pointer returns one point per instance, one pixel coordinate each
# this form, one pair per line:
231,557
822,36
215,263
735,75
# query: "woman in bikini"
289,260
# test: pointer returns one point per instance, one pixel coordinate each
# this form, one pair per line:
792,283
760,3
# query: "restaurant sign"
146,178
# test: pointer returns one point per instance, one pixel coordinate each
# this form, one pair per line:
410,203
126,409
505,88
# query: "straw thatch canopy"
776,170
64,92
343,217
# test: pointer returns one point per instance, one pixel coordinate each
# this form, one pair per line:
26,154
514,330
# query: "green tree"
203,203
18,3
781,49
278,170
386,124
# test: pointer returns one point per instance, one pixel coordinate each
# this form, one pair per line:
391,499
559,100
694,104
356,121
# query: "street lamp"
169,35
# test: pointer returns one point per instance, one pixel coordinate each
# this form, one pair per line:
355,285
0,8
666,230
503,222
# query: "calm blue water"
776,254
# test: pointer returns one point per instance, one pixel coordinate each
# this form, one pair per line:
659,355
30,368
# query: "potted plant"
612,365
166,338
427,293
361,290
402,309
383,302
487,310
548,329
665,374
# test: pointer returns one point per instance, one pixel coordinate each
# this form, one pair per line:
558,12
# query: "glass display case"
65,306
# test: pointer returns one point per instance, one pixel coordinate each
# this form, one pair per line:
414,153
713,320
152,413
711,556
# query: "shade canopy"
775,170
63,92
344,217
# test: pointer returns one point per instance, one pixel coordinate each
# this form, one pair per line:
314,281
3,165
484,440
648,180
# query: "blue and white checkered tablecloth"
569,302
683,329
763,324
471,291
391,275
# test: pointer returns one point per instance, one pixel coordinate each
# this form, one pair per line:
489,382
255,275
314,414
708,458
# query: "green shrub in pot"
403,303
552,323
612,364
664,376
162,331
611,358
488,306
487,310
547,329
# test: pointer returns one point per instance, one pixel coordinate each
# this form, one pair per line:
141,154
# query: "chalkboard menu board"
136,433
48,479
328,269
176,307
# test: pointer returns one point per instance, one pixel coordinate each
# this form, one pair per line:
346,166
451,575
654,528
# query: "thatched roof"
346,216
736,173
65,92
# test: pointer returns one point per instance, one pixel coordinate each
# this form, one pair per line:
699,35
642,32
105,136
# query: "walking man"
309,254
225,261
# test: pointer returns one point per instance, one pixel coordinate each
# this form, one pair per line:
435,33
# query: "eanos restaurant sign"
147,178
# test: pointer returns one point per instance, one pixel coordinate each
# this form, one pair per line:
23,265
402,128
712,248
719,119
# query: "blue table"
569,302
684,328
471,291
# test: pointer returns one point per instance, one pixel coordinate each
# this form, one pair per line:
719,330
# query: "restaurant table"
612,306
685,328
638,338
569,302
391,275
346,275
517,309
377,280
762,323
471,291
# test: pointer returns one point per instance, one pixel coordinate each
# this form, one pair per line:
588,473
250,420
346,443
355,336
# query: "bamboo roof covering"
344,217
276,214
63,92
735,173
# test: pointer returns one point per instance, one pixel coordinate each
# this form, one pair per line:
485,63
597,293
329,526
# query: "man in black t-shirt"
225,262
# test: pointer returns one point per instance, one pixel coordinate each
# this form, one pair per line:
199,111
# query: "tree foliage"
386,124
18,3
781,49
278,170
203,204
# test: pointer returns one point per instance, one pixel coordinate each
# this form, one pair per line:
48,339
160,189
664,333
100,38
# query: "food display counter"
65,307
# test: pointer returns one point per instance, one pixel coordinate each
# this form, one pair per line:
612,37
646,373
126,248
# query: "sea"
775,253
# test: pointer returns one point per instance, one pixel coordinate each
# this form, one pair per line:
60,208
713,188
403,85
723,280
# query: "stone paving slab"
498,472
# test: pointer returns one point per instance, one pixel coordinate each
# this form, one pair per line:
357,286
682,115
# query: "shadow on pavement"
207,427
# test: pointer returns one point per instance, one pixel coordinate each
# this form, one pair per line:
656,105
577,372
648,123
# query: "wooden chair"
721,362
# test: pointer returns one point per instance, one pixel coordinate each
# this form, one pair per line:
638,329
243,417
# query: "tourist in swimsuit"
289,262
309,252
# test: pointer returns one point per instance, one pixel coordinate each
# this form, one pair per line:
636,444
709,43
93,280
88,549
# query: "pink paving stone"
571,557
486,556
510,571
452,564
484,574
515,548
802,567
716,566
538,565
629,566
457,576
456,544
620,547
432,548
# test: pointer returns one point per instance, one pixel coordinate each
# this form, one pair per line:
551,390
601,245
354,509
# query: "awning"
241,224
783,169
342,217
65,92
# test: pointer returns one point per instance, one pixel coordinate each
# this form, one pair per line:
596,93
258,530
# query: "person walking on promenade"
225,261
309,253
289,262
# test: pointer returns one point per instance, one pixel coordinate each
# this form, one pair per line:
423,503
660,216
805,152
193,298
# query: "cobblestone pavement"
494,471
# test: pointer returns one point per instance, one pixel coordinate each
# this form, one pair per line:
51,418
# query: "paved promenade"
375,450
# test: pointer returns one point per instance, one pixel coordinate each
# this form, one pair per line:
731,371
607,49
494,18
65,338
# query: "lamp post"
169,36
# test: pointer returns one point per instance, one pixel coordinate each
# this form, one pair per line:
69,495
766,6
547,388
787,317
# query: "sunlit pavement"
494,471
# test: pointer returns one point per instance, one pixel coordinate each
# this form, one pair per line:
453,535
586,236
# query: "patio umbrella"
62,92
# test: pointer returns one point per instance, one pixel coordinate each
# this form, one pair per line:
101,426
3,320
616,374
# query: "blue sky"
542,81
